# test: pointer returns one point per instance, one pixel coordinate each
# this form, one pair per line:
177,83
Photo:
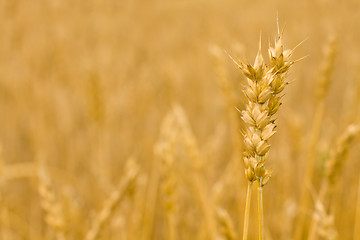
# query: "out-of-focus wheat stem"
305,197
171,226
322,90
150,204
247,211
317,213
357,215
206,206
193,151
110,204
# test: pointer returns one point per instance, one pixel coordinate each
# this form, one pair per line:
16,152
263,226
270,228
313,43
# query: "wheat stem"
357,215
309,172
111,203
324,81
247,210
261,210
171,226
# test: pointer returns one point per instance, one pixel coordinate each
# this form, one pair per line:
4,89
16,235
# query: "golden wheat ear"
264,85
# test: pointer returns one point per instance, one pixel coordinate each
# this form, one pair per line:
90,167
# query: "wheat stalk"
323,83
113,201
356,234
196,161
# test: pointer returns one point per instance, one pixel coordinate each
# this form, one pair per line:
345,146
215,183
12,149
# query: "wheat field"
155,119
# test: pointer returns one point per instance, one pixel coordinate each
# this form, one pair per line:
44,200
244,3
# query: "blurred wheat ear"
110,205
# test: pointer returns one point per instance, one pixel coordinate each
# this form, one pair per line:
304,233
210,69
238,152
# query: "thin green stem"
261,210
247,211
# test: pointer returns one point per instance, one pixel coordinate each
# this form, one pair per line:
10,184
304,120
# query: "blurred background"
85,87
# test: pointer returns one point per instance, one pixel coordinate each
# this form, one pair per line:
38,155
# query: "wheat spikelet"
115,198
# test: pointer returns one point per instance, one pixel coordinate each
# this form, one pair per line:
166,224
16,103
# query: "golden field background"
84,90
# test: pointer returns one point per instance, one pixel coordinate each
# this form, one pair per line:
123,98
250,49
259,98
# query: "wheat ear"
265,83
325,229
164,149
228,92
332,170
